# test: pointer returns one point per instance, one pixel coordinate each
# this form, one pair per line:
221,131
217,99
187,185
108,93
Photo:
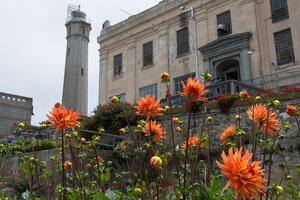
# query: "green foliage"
111,117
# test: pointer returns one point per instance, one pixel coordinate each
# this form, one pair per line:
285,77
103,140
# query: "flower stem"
172,133
297,125
172,182
186,154
270,164
62,164
98,170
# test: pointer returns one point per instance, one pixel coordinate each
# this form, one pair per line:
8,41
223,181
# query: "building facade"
245,40
75,90
13,109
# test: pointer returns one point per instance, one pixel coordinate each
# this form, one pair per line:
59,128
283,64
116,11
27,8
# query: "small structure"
13,109
75,90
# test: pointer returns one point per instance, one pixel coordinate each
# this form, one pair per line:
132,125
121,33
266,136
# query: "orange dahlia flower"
193,141
244,177
227,134
260,117
193,90
148,106
291,110
62,118
157,132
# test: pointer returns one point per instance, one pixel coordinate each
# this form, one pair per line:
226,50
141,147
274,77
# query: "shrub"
111,117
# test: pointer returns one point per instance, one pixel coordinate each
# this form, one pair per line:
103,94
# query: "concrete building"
253,42
14,109
75,90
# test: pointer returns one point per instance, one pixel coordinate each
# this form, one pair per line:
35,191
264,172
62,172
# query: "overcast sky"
33,46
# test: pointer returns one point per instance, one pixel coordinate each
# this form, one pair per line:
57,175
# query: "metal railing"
108,141
280,79
215,90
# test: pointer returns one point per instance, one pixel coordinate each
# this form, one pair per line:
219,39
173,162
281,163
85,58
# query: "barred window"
183,41
224,23
284,47
118,65
279,10
148,54
177,82
122,97
149,90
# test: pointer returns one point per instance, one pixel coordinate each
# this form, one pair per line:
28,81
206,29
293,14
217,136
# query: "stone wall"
290,146
13,109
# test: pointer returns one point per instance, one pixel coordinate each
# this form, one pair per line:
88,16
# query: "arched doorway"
228,70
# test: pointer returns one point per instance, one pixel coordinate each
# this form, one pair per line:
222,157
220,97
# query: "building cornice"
218,46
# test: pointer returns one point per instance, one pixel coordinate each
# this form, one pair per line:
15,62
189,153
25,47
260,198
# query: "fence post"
232,88
276,81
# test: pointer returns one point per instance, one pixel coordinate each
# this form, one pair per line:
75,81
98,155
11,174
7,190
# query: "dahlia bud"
122,131
57,105
237,117
83,140
21,125
178,129
32,159
68,136
68,165
155,162
276,104
114,99
167,108
165,77
138,191
101,130
288,177
75,134
244,94
175,120
257,99
147,146
143,122
209,119
97,139
100,160
279,190
44,126
140,127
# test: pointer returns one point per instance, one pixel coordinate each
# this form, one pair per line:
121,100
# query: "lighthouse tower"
75,91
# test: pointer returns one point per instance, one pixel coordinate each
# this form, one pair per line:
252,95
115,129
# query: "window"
118,65
82,71
148,54
224,23
183,41
177,82
122,97
279,10
284,47
83,29
149,90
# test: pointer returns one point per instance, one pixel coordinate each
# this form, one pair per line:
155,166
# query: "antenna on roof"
71,8
126,12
